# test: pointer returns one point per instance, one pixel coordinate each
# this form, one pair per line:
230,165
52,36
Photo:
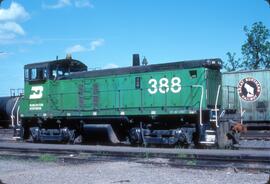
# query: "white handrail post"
12,111
241,109
216,110
18,110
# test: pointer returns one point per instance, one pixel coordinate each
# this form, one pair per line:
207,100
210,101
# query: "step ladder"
17,134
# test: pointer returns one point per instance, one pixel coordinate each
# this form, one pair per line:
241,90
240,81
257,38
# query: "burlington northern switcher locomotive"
175,103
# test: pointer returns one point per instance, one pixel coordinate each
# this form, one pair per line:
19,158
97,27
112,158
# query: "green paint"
117,95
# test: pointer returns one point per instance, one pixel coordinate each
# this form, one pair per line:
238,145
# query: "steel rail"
247,159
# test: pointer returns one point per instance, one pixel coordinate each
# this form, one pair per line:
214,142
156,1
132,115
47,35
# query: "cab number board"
164,85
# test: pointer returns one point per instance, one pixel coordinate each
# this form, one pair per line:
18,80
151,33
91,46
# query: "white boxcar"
249,89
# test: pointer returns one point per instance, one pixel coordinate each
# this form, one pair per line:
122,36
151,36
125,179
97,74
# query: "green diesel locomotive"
175,103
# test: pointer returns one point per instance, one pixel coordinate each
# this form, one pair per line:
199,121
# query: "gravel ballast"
14,171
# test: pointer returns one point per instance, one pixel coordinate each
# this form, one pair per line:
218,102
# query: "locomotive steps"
238,159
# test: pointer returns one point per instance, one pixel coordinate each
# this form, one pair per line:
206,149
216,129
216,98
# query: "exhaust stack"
136,60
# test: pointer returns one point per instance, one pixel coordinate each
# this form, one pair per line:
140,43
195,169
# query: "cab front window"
26,74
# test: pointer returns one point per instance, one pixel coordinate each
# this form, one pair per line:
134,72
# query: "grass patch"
47,158
146,155
84,155
181,155
191,163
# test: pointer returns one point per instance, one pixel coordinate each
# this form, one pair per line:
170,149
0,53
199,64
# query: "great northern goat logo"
249,89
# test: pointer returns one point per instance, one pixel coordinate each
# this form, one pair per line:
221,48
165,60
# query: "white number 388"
163,85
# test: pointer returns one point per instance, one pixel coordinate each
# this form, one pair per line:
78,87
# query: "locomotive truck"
178,103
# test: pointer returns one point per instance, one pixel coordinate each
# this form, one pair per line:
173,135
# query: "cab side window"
58,72
35,74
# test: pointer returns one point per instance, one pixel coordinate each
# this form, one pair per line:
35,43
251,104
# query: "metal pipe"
200,86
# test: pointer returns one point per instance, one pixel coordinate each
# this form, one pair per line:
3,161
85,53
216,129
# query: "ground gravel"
33,172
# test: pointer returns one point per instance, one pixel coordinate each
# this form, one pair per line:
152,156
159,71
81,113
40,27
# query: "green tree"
232,64
268,1
256,49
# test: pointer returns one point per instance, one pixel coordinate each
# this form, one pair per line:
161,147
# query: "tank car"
9,111
176,103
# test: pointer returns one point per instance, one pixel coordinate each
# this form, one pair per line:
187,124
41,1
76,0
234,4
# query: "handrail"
236,101
218,91
12,111
241,110
16,92
17,122
200,86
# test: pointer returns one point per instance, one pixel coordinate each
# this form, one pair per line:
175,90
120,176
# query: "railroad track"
256,135
255,139
6,134
191,158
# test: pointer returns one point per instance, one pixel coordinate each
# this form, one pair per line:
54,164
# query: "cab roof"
61,62
214,63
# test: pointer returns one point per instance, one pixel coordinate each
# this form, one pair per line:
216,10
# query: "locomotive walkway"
195,158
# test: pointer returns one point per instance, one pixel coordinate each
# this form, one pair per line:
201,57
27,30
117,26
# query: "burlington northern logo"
249,89
37,92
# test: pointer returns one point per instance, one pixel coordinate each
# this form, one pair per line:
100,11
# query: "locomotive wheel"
78,140
75,137
135,137
25,133
27,137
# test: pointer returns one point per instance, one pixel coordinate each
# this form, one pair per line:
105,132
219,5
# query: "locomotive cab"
41,82
52,70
